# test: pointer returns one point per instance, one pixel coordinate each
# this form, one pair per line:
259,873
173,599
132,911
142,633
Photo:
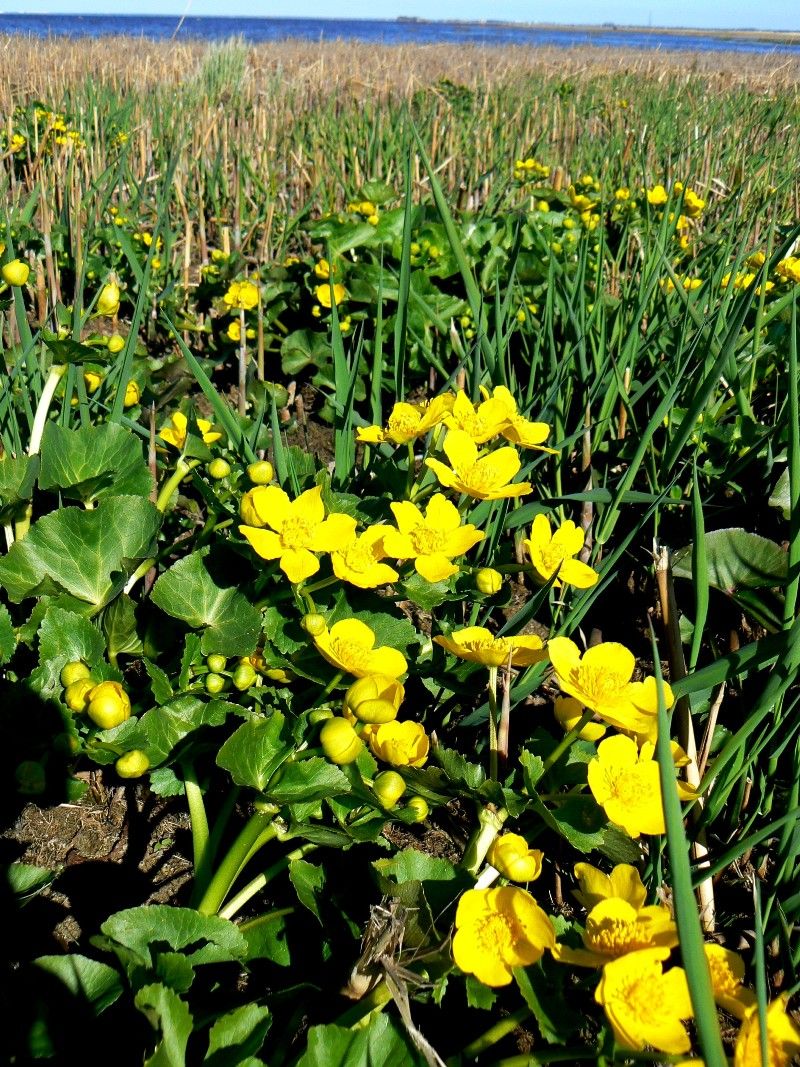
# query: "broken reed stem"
686,737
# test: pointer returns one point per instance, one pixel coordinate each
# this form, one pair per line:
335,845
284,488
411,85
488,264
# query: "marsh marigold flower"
625,783
374,699
482,422
657,196
515,427
108,300
511,855
241,296
349,646
407,422
322,293
175,434
623,882
478,645
132,394
484,477
601,680
298,529
552,553
498,930
783,1038
645,1004
401,744
615,927
357,560
432,539
727,971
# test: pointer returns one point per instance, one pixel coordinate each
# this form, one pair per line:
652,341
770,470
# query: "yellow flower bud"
418,806
109,705
132,764
73,672
115,343
132,394
340,743
92,380
76,695
243,677
388,788
214,683
489,581
513,858
261,472
108,300
218,468
314,624
375,698
247,508
16,272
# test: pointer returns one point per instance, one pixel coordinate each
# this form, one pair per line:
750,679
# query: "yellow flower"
614,927
357,560
644,1004
478,645
569,712
323,294
432,539
132,394
486,477
623,883
517,429
349,646
727,971
322,269
242,295
625,783
407,422
176,434
248,510
623,193
298,529
657,196
373,699
692,204
92,380
788,270
402,744
601,680
514,859
482,423
108,300
552,552
783,1038
498,930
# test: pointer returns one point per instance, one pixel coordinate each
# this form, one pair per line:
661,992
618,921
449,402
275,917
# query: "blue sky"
722,14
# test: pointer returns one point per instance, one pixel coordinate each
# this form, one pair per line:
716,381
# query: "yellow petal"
299,564
333,533
308,506
460,449
442,471
436,568
441,513
266,543
271,505
407,515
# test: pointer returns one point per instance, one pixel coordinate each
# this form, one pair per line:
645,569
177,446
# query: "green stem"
495,1033
43,407
574,733
493,723
262,880
376,999
257,831
490,823
197,815
182,468
323,583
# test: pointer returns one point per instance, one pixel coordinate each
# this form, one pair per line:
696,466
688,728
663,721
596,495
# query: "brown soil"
119,847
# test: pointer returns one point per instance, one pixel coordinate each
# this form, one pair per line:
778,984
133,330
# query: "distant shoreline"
764,36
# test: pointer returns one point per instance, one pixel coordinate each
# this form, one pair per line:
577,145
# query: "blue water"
275,29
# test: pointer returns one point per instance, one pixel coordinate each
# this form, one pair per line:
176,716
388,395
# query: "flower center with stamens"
426,540
295,532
